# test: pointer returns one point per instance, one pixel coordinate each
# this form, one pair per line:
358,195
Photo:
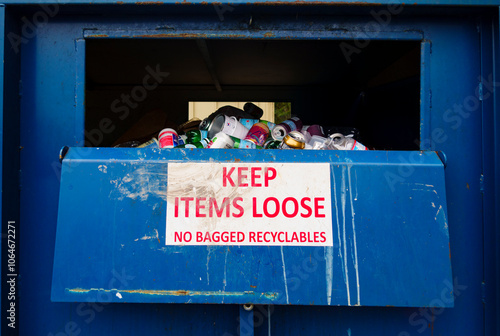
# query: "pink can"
258,134
168,138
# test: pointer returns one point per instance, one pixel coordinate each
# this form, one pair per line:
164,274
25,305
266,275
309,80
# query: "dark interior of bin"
332,83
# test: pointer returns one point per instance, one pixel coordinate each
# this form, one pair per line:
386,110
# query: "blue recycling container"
400,239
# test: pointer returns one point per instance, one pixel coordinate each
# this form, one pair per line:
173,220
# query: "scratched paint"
329,273
270,295
344,238
143,181
284,276
354,236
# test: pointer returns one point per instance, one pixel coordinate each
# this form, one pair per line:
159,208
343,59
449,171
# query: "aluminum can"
205,124
168,138
248,123
269,124
272,144
258,134
280,130
295,140
342,142
313,130
222,140
182,139
229,125
244,144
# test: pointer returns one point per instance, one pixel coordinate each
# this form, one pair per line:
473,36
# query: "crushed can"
280,130
272,144
294,140
342,142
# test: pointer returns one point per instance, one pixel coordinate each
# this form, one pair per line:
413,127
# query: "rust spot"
99,35
179,292
79,290
269,35
314,3
120,2
237,160
253,286
468,187
149,3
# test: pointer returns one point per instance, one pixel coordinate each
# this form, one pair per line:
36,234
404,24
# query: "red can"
168,138
258,134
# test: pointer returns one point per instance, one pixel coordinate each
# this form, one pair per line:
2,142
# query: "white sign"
249,204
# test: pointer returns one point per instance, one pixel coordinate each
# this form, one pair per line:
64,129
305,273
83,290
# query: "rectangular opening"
136,87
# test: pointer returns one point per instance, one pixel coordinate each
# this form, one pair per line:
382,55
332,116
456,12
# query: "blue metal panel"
389,224
47,125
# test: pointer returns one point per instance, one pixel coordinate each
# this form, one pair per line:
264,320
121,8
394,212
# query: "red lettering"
187,200
316,237
207,237
265,235
279,237
274,234
317,207
199,237
237,206
295,210
303,237
259,237
269,174
323,235
276,203
242,176
254,210
218,211
177,236
306,207
294,237
200,207
241,236
251,237
176,207
254,176
215,236
226,177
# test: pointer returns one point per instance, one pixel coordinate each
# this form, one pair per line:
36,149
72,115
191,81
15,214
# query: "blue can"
248,123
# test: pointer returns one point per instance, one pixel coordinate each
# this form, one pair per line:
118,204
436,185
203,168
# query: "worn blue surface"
48,122
390,234
270,2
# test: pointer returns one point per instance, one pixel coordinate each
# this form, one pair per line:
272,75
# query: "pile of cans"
225,131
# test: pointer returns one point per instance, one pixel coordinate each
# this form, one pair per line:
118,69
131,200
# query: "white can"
168,138
346,142
234,128
222,140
